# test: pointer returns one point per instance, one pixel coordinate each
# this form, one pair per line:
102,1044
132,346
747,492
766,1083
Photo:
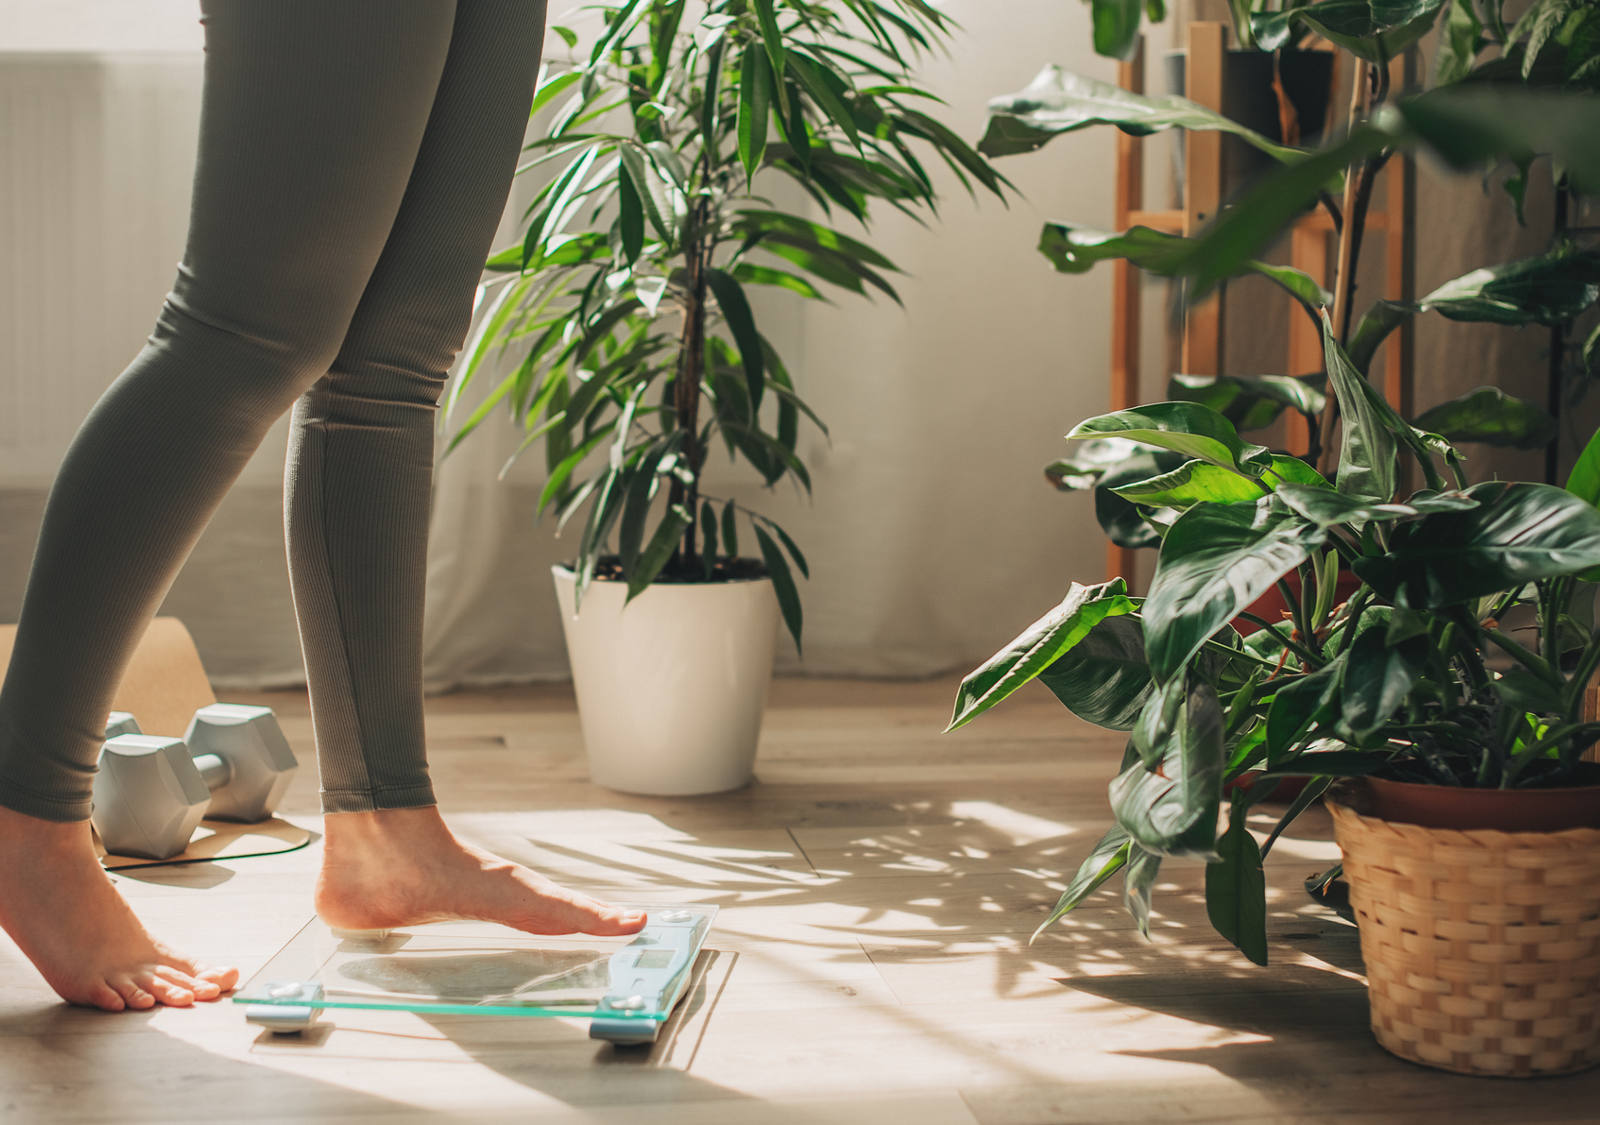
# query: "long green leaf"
654,557
1489,416
1058,101
1172,809
1038,646
1236,889
1215,561
1078,249
1368,463
1105,678
771,34
755,108
1518,533
782,583
1107,857
1183,427
736,310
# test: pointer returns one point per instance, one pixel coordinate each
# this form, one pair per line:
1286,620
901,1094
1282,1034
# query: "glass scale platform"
626,987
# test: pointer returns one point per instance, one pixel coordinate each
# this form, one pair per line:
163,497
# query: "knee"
258,356
401,360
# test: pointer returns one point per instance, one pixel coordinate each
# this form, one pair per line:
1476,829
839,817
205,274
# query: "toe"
202,989
166,991
132,994
223,977
102,995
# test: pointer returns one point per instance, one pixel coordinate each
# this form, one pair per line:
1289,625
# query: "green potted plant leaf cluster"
1552,289
1479,911
626,310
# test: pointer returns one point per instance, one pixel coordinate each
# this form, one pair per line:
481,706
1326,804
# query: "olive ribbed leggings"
354,160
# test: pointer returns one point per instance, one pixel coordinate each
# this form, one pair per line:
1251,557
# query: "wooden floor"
870,963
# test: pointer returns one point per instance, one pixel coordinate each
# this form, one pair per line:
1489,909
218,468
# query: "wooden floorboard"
878,886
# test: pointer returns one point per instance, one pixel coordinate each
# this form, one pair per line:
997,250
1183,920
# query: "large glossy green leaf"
1250,402
1376,30
1469,124
1520,532
1041,644
1105,678
1378,677
1368,461
1298,707
1077,250
1229,242
1236,888
1108,857
1127,524
1466,124
1215,561
1058,101
1172,809
1194,482
1549,288
1327,508
1489,416
1116,27
1584,480
1182,427
1089,461
1191,483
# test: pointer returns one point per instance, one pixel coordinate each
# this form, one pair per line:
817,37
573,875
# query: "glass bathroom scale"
625,986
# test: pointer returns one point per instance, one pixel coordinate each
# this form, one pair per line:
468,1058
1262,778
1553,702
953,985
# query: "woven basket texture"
1482,947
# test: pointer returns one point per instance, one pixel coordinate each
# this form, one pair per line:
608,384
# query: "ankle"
40,835
382,828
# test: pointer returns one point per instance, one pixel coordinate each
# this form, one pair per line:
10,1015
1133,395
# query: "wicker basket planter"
1482,947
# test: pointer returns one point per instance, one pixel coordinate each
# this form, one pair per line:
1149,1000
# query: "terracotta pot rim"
1455,808
1433,785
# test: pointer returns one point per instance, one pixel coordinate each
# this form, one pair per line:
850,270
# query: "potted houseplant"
624,307
1482,938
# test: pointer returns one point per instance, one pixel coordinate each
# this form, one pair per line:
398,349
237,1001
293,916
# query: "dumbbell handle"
214,770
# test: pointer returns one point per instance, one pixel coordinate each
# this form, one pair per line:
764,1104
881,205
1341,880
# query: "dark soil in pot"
609,569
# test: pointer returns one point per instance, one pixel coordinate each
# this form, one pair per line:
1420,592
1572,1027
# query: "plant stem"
1344,279
686,388
1310,660
1579,687
1558,351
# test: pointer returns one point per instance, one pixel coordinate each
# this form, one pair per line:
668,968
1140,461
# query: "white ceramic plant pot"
671,689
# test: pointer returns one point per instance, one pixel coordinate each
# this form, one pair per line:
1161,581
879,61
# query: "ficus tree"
625,305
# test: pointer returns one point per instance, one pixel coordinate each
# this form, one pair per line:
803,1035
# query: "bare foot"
59,906
403,867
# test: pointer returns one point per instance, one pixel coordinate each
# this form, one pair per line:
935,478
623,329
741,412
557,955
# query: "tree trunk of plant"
686,396
1558,353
